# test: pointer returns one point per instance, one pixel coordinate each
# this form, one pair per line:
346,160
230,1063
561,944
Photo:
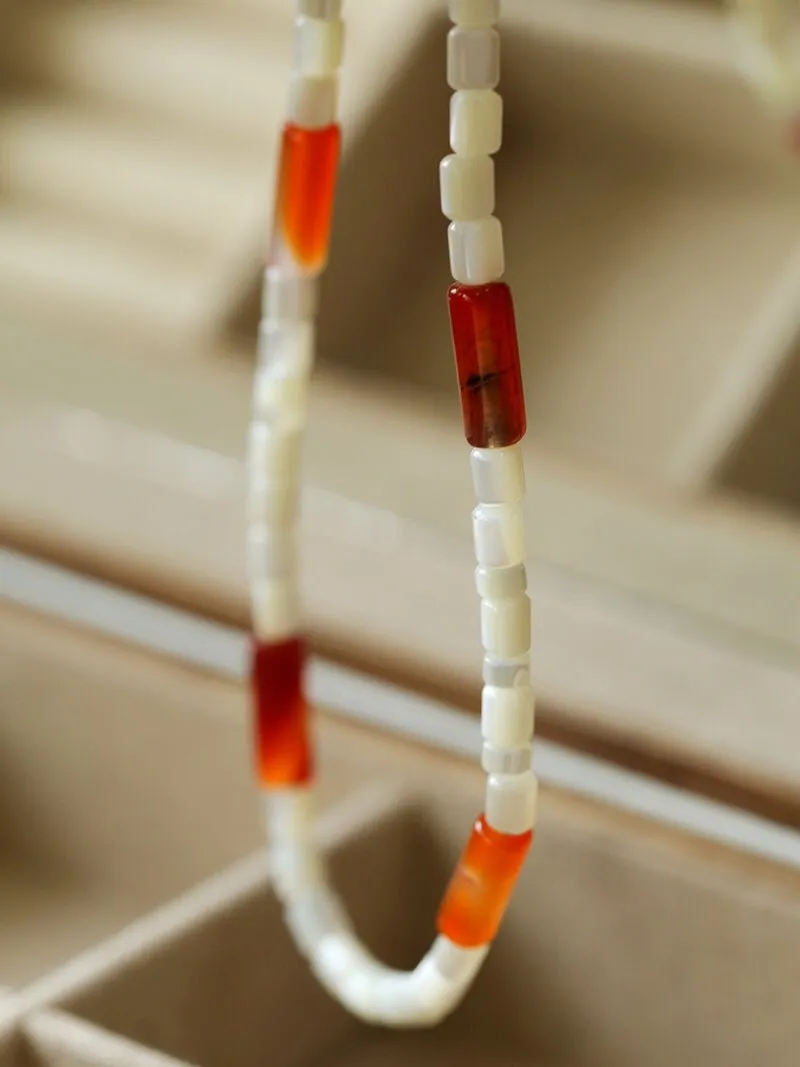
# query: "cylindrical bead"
476,122
506,626
273,504
306,188
279,398
286,347
271,552
511,802
313,101
474,12
319,9
479,891
499,535
467,187
507,715
289,296
319,45
486,352
477,254
507,673
498,475
281,713
275,608
497,583
496,760
273,457
473,58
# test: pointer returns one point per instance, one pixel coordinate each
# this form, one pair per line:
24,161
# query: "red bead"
306,189
487,363
281,714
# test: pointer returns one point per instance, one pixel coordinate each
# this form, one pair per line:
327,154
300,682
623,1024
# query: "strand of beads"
493,408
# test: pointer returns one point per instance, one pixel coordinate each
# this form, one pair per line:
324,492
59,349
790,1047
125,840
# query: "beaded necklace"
490,384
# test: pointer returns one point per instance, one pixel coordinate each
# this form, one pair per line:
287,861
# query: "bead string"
490,384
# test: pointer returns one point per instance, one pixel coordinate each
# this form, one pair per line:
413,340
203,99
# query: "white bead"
476,251
507,715
271,552
498,475
295,867
319,9
497,583
273,458
289,813
276,609
495,760
506,626
474,12
318,45
476,122
286,345
499,534
313,101
467,187
507,673
273,503
473,58
280,399
511,802
314,915
288,296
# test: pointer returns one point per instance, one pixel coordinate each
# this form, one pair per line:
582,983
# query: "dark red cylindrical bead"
283,745
487,363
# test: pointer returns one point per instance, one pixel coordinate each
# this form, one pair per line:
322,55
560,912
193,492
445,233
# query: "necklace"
490,385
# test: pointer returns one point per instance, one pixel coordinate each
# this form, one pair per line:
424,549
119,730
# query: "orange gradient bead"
283,748
481,886
306,189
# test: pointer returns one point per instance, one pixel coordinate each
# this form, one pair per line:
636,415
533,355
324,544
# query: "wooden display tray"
628,942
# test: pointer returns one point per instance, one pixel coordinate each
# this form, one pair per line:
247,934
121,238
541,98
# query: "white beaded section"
273,457
507,673
506,626
318,46
474,12
499,534
286,346
271,552
319,9
467,187
473,58
507,715
498,475
496,760
511,802
313,101
273,504
280,397
275,608
497,583
476,122
477,253
289,297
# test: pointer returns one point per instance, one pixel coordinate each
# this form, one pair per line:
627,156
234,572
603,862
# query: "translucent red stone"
480,889
283,745
306,189
487,364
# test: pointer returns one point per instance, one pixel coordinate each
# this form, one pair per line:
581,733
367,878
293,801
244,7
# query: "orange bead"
481,886
283,747
306,188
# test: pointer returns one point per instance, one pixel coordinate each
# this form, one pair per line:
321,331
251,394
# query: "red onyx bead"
487,363
283,749
306,189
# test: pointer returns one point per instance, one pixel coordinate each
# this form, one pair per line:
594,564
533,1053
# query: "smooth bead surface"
484,333
273,504
271,552
467,187
506,626
305,194
289,296
276,609
497,583
479,891
313,101
476,122
511,802
496,760
280,398
507,715
473,58
477,254
499,535
282,741
498,475
273,457
506,673
319,9
286,347
318,45
474,12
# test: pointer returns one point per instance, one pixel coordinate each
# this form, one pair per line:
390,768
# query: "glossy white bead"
497,583
314,915
496,760
467,187
506,626
289,297
318,46
498,475
273,457
477,255
511,802
287,347
313,100
509,673
290,813
319,9
499,534
474,12
276,609
280,398
507,715
473,58
273,503
476,122
295,867
271,552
